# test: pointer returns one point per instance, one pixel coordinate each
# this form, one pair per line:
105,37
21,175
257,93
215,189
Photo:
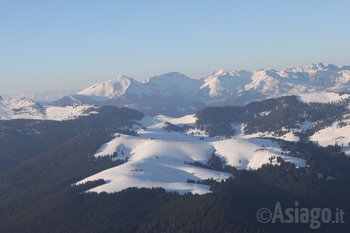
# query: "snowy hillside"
337,133
323,97
27,109
222,87
159,158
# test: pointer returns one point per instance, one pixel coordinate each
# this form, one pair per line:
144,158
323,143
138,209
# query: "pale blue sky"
74,43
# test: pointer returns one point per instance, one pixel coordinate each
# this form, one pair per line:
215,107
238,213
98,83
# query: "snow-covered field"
338,133
289,136
58,113
322,97
157,157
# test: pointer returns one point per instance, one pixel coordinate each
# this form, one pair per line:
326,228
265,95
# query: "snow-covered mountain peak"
173,84
315,67
123,78
218,73
332,67
225,82
266,82
318,66
110,88
171,78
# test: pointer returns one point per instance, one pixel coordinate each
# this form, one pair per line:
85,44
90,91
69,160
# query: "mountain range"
175,94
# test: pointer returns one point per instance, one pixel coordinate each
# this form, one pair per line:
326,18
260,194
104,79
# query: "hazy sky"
74,43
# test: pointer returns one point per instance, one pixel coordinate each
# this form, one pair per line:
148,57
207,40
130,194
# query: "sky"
71,44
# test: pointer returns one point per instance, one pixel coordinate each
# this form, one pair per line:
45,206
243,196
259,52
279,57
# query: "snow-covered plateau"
159,158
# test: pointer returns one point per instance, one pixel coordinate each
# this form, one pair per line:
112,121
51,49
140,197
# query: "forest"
276,115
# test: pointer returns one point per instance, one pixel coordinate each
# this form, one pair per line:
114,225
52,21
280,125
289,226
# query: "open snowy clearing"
335,134
156,158
322,97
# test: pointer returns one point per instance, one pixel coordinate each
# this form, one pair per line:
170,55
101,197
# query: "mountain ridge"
222,87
